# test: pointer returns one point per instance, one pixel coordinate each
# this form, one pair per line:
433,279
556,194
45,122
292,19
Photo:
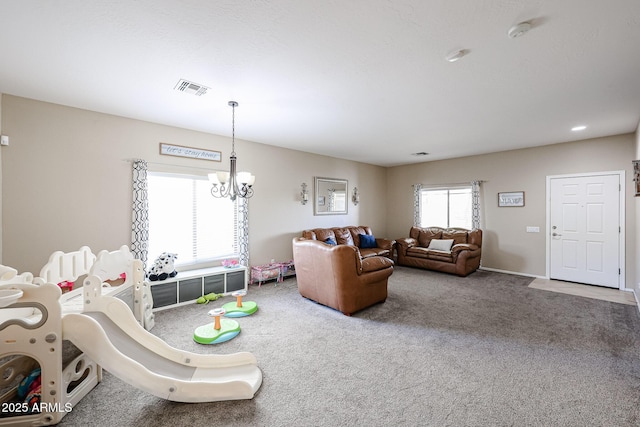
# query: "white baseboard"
516,273
635,295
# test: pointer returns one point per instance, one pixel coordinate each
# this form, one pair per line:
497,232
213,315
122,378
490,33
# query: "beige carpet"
485,350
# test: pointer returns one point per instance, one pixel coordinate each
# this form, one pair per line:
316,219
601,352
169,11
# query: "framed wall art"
511,199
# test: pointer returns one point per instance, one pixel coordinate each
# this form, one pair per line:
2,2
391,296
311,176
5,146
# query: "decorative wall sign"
193,153
512,199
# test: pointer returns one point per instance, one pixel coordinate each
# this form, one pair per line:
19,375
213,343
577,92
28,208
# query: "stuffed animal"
208,297
30,389
162,267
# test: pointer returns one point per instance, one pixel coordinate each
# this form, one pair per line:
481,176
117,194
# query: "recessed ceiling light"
519,30
455,55
578,128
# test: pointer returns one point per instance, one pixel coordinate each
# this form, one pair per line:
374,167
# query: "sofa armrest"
385,244
405,243
463,247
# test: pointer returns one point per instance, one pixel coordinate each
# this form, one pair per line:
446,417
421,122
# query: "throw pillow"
330,241
367,241
441,245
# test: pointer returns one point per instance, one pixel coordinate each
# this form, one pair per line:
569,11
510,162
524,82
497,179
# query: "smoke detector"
519,30
190,87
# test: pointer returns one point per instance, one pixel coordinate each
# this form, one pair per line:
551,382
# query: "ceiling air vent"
190,88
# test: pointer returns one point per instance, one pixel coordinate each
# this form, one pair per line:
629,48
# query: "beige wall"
506,245
67,182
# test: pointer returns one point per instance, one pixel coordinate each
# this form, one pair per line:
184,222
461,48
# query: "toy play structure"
101,321
221,330
240,308
64,268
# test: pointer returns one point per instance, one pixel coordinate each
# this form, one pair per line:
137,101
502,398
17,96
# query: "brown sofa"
351,236
462,258
338,277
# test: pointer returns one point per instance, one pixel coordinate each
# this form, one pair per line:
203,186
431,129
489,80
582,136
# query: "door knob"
556,234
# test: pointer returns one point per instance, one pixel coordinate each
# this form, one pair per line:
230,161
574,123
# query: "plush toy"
208,297
162,267
29,390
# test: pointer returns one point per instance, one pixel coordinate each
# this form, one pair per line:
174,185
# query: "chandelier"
232,184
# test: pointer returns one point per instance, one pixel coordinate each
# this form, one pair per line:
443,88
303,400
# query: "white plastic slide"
109,334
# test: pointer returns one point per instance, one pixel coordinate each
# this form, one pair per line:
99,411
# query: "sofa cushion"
321,234
418,252
343,236
367,241
474,237
441,244
366,253
425,236
356,232
330,241
375,264
458,236
436,255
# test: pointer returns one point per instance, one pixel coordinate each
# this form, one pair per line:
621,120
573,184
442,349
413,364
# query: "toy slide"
108,333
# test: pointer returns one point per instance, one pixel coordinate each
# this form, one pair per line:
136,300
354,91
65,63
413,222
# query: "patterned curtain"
416,204
243,228
140,214
475,204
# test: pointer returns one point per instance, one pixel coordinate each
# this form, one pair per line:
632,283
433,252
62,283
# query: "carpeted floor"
485,350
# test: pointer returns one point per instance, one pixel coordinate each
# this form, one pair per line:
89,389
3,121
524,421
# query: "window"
185,219
446,207
338,201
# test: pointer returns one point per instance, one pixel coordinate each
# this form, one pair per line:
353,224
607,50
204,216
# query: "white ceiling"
363,80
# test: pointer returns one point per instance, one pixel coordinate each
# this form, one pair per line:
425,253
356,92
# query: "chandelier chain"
232,184
233,127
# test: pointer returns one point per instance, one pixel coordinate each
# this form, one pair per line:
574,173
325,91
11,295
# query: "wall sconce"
304,194
355,198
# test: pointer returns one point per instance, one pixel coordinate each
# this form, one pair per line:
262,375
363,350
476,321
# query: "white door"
585,229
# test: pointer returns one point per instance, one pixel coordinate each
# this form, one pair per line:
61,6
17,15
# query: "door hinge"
619,272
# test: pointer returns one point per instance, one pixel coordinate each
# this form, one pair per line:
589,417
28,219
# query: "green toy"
208,297
220,331
240,308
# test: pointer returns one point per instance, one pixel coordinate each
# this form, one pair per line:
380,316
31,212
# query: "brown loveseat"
338,277
427,248
351,236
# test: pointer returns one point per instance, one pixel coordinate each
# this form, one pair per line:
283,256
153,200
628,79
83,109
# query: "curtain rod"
457,184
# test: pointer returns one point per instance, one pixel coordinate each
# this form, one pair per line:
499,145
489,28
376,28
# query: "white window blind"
185,219
446,207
